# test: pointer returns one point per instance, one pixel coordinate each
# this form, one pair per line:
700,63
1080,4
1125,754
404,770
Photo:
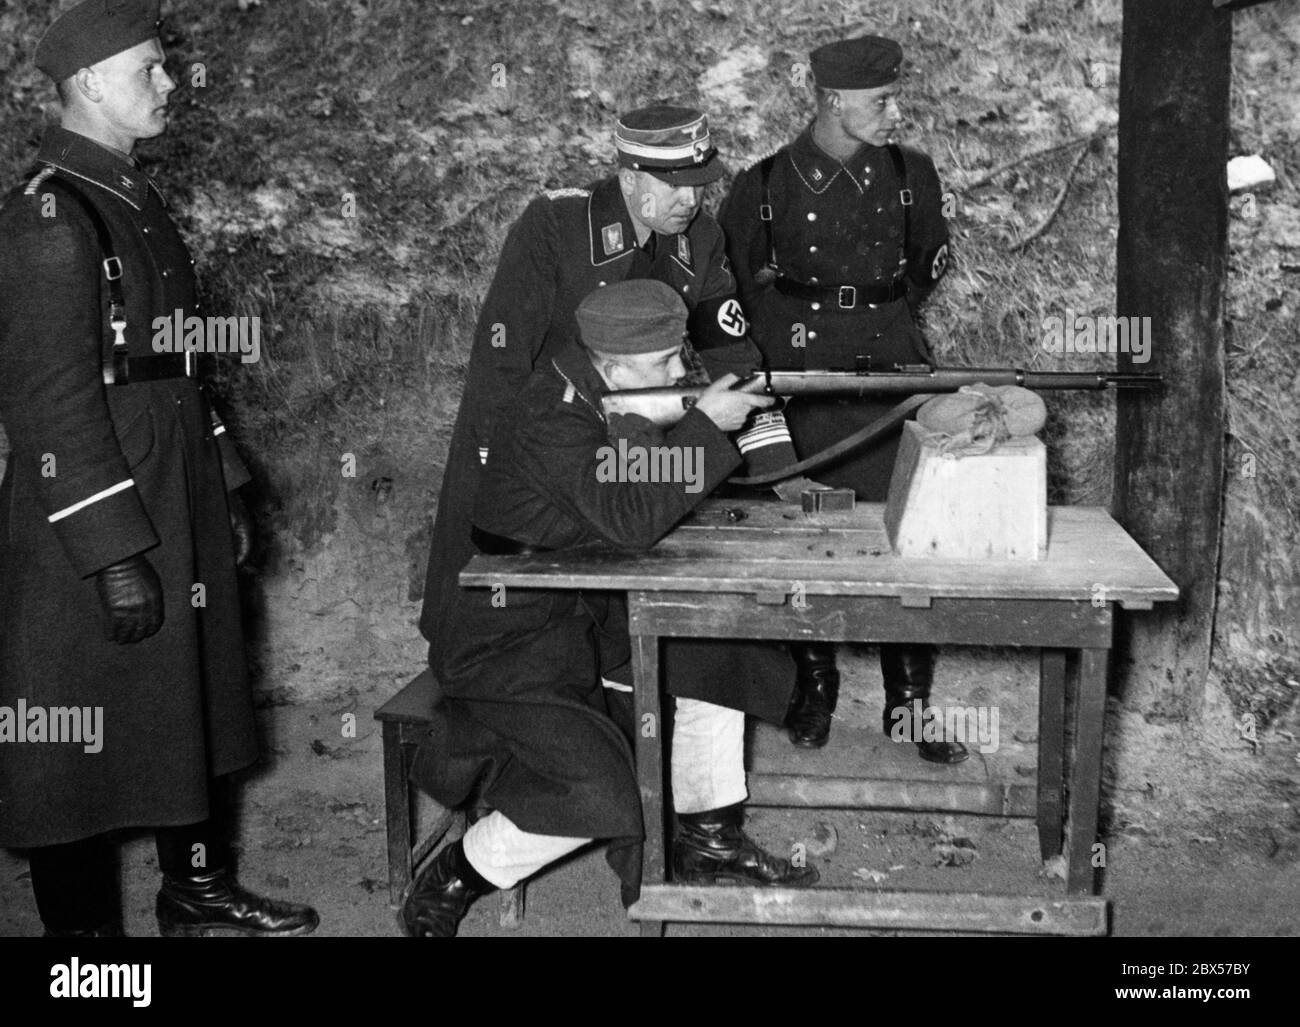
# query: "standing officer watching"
835,241
114,517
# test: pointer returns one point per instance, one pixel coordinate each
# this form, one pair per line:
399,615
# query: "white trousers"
708,771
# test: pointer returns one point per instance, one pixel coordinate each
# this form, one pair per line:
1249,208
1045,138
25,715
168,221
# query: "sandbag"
977,417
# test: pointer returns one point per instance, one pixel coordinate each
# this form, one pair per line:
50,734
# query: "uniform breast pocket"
135,436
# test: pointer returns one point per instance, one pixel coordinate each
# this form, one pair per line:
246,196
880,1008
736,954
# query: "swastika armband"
934,263
717,322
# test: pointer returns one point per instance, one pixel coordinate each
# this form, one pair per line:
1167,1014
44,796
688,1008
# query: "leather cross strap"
904,193
765,208
115,366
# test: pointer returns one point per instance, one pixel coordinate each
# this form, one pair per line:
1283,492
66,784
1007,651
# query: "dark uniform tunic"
566,244
96,474
837,224
524,718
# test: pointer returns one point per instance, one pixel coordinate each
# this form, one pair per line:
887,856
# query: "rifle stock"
667,406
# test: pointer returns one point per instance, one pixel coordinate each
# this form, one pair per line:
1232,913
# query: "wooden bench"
405,719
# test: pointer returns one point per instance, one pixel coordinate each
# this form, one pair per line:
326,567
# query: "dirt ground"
312,825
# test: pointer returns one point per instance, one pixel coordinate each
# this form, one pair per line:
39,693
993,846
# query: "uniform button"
816,306
812,249
145,229
812,215
191,262
166,272
812,280
601,285
811,336
686,288
880,210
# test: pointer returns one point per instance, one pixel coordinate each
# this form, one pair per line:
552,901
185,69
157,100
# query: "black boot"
816,689
434,904
204,905
711,848
909,671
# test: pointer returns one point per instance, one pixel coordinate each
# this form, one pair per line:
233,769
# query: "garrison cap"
867,62
93,31
642,315
671,143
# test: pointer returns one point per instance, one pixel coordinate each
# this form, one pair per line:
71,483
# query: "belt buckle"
852,293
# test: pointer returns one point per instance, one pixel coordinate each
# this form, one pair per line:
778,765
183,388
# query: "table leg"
397,811
1051,746
1085,769
650,765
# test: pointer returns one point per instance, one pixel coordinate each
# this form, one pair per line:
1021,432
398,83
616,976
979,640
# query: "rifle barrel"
665,406
852,383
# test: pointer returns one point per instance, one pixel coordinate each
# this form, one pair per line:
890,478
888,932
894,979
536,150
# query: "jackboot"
909,671
434,904
711,848
209,904
816,689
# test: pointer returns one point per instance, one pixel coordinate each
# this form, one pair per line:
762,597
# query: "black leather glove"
241,527
131,597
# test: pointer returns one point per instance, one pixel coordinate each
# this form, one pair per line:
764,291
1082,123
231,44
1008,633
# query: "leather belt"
154,368
843,297
499,545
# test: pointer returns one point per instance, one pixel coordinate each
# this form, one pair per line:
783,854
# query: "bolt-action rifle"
918,382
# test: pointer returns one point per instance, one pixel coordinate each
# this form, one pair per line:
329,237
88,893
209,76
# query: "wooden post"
1172,258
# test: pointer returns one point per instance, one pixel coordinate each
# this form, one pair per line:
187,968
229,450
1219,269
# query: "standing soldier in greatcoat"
118,542
835,241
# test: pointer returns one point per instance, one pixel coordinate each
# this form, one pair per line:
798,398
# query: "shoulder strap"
904,194
765,207
115,367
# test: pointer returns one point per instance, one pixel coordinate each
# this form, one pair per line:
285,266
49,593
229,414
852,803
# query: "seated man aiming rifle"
527,724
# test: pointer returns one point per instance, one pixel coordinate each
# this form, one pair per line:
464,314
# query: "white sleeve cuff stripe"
218,430
112,490
750,441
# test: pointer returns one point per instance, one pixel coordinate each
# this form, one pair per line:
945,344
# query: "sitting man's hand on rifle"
728,407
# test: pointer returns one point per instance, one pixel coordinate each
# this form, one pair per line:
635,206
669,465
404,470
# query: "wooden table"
757,569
